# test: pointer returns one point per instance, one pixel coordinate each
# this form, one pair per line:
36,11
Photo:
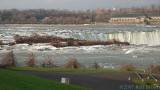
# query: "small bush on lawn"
154,69
128,67
72,63
96,66
8,60
31,61
1,43
48,63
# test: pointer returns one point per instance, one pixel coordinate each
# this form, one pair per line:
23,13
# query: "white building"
154,20
127,20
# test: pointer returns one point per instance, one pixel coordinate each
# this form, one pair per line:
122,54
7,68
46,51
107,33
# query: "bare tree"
8,60
31,61
1,42
72,63
128,67
154,69
96,66
48,63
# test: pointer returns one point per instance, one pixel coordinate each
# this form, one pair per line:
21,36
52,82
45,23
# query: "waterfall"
151,38
133,34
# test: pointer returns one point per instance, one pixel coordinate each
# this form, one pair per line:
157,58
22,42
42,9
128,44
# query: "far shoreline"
78,24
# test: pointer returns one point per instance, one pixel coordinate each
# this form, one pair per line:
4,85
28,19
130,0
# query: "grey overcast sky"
73,4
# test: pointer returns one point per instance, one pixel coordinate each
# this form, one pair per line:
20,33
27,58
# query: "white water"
151,38
133,34
138,54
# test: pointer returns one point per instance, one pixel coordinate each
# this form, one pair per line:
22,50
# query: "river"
143,51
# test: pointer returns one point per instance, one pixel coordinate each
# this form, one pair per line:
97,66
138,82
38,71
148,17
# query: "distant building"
127,20
135,20
154,20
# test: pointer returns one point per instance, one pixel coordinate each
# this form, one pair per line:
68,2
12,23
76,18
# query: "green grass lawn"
11,80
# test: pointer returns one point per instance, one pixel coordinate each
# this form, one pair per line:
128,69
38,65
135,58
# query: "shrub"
72,63
48,63
1,43
96,66
128,67
154,69
31,61
8,60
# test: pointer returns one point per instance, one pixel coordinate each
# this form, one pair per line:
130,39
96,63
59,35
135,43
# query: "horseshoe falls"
151,38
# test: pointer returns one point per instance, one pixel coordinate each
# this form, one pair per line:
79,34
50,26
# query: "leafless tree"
8,60
1,42
154,69
31,61
72,63
96,66
48,62
128,67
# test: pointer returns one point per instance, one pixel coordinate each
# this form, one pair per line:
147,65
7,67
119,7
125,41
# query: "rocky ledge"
63,42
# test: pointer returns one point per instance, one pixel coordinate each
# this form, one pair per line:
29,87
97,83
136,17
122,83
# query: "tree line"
42,16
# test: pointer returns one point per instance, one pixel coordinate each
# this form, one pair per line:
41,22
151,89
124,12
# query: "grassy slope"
11,80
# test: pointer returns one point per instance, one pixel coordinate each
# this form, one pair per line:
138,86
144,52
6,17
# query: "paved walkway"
108,81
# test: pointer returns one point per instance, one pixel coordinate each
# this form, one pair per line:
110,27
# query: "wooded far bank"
42,16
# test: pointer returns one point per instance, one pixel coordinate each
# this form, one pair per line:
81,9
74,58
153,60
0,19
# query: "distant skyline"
74,4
